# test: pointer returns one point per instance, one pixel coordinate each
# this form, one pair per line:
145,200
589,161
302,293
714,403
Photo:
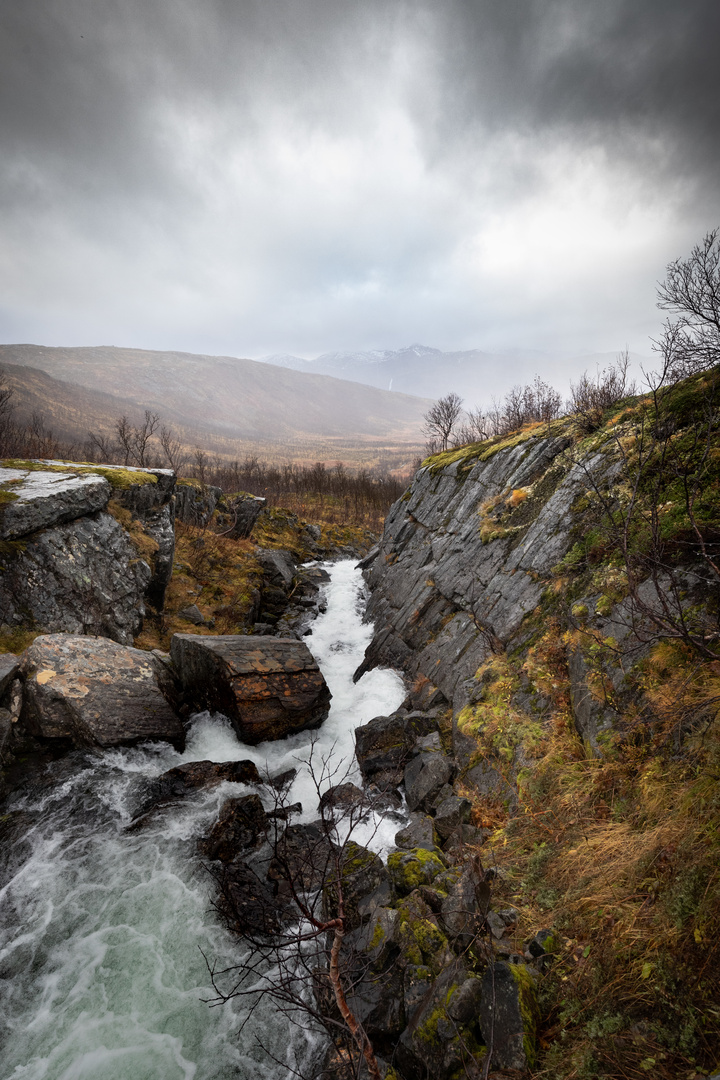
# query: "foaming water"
104,931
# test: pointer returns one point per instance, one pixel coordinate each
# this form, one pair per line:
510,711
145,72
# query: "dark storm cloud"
608,70
314,174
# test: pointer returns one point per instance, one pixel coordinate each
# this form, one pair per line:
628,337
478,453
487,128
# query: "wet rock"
418,979
418,833
273,602
278,568
284,813
425,777
383,745
304,855
365,885
452,813
464,1005
283,780
409,869
250,903
82,577
6,732
59,518
435,1043
443,596
378,1004
421,937
428,743
94,692
15,844
242,824
369,559
508,1015
313,575
267,687
464,909
343,797
386,801
9,668
176,783
375,983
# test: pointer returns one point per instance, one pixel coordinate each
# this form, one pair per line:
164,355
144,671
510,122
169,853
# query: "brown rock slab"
268,687
94,692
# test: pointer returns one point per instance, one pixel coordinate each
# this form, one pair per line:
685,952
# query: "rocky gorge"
516,875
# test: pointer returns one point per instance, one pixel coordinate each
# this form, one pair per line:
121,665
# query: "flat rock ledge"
35,500
268,687
91,691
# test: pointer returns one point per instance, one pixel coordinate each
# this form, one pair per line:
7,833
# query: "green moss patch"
118,478
409,869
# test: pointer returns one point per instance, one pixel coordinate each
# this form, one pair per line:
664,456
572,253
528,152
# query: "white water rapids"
103,930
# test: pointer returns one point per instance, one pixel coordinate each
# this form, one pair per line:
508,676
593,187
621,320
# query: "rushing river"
103,930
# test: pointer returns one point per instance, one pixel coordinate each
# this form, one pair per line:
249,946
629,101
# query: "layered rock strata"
84,548
268,687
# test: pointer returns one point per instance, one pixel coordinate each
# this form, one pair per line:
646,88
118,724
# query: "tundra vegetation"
616,846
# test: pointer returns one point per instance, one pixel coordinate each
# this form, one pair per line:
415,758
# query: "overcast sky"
229,176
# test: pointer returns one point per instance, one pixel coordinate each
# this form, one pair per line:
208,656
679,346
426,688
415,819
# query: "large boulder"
178,782
93,692
249,902
465,906
241,511
440,1040
268,687
242,824
384,745
425,778
363,882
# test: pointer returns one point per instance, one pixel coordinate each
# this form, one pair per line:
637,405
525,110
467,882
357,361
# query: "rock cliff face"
84,548
466,555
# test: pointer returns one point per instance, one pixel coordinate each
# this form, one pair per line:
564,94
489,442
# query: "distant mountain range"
223,403
475,375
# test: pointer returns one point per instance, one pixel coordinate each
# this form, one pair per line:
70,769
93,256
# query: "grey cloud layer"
295,175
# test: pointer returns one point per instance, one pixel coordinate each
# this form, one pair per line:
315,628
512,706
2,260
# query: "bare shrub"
691,291
589,398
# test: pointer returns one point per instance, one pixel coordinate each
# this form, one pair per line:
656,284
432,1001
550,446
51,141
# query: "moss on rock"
409,869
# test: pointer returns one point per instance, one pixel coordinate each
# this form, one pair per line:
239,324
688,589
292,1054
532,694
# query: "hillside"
226,404
556,592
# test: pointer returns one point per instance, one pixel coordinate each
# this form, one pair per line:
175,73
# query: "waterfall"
104,929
